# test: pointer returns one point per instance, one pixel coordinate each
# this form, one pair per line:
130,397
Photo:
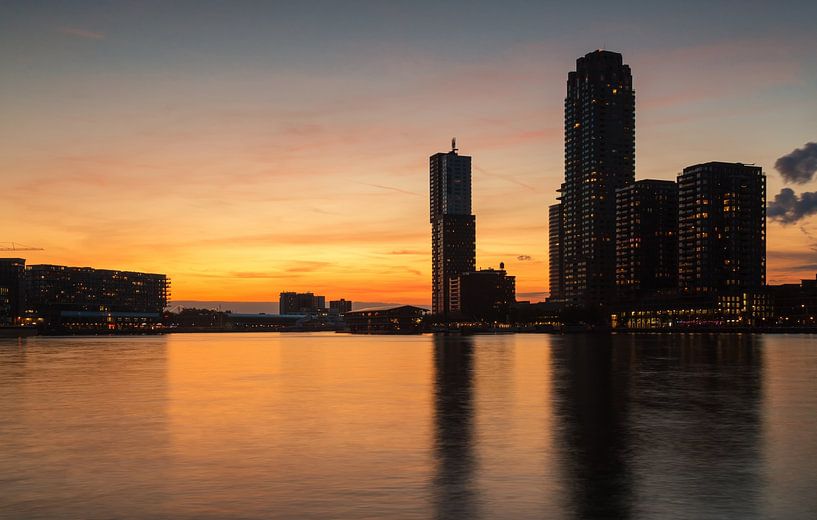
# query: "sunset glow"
244,156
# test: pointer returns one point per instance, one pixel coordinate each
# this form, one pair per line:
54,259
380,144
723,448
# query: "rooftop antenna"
454,144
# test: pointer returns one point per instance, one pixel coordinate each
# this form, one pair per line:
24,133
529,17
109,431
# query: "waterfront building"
485,295
646,240
5,307
453,227
394,319
795,304
340,307
12,277
555,239
599,126
98,299
712,311
721,229
301,303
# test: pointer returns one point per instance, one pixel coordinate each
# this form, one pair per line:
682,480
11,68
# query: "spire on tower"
454,144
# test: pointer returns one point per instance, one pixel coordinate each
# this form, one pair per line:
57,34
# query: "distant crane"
16,246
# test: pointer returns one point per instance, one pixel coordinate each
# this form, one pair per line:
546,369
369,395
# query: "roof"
387,308
101,314
264,315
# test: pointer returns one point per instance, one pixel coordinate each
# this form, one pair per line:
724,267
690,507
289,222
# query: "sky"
247,148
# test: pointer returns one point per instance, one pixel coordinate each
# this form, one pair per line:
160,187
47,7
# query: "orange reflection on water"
270,415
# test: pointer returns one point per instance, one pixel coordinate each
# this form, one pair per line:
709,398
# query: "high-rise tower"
453,227
721,228
646,240
599,159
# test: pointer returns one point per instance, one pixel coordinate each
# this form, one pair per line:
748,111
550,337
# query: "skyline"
228,150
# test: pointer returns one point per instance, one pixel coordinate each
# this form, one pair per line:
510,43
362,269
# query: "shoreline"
6,334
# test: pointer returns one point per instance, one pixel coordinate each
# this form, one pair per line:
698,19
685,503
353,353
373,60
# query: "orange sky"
240,177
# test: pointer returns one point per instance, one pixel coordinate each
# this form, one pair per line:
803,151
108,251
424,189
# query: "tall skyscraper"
646,239
722,228
453,227
599,159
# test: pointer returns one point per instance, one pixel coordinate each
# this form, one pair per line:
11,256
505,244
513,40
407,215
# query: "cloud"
398,190
407,252
788,208
82,33
308,267
800,165
793,262
524,258
508,178
532,295
255,275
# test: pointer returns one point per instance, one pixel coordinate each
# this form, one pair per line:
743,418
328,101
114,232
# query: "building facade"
485,295
300,303
599,131
12,278
87,298
5,307
646,240
397,319
453,227
795,304
721,229
555,239
340,307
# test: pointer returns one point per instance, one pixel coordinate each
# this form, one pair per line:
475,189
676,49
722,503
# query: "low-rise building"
485,295
393,319
83,298
702,312
340,307
301,303
795,304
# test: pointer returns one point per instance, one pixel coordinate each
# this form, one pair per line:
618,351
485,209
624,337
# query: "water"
336,426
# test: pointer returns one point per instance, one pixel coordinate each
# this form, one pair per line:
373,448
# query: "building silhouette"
722,229
646,240
555,239
300,303
721,254
12,279
84,298
453,227
599,159
485,295
389,319
340,307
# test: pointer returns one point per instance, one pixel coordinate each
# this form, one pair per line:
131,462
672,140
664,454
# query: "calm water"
336,426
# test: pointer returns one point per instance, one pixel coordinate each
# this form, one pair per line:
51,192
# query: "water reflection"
698,419
453,489
331,426
80,418
659,426
590,391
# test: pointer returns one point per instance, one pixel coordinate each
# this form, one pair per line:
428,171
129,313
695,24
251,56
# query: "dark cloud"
523,258
800,165
788,208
